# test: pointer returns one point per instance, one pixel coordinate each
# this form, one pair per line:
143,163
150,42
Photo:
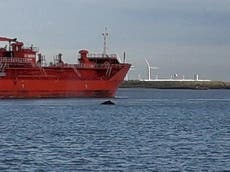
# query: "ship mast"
105,35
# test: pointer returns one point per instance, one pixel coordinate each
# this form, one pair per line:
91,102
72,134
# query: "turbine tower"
149,69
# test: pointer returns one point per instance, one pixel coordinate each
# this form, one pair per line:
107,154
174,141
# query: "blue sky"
179,36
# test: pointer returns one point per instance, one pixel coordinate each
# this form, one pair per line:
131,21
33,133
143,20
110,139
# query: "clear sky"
179,36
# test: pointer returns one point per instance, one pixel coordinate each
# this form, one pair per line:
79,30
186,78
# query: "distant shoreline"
199,85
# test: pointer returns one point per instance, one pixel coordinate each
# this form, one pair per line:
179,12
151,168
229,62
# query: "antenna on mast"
124,57
105,35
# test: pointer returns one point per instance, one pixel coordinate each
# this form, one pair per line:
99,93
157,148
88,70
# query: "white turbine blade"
147,63
154,67
119,59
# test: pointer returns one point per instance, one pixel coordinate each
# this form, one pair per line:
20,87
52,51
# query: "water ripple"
151,130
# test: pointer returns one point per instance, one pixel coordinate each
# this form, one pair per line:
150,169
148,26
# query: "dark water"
147,130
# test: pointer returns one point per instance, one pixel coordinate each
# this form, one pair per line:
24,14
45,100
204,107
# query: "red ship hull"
22,77
56,88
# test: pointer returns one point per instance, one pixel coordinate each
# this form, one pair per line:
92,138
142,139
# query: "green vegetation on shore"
176,84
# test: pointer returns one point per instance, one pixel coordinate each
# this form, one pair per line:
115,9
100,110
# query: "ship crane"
4,39
8,39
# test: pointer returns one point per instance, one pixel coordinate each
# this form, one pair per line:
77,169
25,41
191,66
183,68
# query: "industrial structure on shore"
174,77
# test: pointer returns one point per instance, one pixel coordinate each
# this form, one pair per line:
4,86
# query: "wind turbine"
149,69
127,76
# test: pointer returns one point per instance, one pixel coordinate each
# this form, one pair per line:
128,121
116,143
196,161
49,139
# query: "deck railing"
100,56
97,66
15,60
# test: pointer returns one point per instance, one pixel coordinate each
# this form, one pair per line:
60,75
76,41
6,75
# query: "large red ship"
24,74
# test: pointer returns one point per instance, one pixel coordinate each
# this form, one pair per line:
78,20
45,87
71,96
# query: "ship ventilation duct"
84,58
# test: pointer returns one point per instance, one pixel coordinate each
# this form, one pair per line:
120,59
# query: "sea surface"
147,130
